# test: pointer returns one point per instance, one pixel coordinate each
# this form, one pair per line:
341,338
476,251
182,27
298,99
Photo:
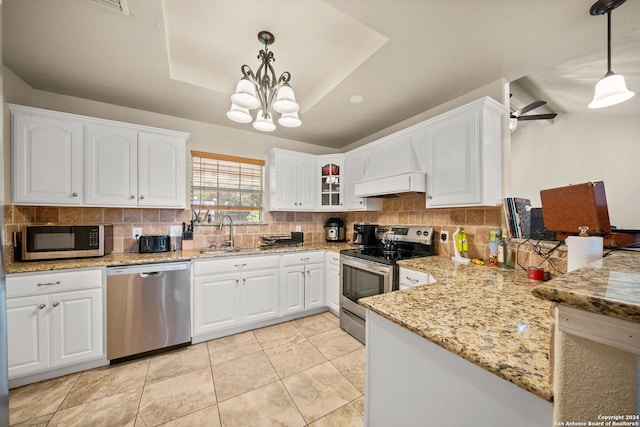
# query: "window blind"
226,185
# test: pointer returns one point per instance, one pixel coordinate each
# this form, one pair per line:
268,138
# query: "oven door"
362,278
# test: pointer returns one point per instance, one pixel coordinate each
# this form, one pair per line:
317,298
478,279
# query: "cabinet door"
454,161
283,186
260,294
330,171
112,165
161,170
47,160
314,286
332,283
215,302
306,181
28,335
292,290
76,326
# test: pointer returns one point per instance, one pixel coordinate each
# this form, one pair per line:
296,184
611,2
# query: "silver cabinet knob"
55,304
302,272
244,280
41,306
429,197
141,197
132,197
237,281
75,194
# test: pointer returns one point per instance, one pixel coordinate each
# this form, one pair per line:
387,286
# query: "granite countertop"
132,258
610,286
484,314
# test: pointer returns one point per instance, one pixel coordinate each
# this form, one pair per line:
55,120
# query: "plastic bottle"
493,246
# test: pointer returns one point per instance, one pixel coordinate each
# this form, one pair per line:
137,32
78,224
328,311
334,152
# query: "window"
226,185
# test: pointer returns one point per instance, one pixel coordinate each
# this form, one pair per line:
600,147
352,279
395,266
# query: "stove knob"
418,232
426,233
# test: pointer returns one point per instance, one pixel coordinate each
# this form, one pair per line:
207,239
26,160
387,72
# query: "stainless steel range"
372,270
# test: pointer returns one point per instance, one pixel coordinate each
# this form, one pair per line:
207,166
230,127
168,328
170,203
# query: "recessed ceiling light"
356,99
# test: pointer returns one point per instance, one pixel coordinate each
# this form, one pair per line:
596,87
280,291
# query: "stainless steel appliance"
56,241
149,244
364,234
335,230
372,270
148,308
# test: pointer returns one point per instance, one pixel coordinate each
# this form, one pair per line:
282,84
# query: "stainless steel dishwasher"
148,308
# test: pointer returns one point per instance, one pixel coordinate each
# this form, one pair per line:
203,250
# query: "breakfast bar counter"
610,286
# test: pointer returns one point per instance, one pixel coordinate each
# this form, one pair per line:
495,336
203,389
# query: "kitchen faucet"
230,241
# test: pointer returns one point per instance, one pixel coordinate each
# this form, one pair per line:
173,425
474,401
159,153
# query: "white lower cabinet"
54,320
410,278
303,282
332,282
234,291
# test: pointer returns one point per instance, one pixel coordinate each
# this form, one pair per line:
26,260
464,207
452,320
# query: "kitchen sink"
217,251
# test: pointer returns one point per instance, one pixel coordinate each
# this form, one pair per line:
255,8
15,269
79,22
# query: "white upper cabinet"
47,159
112,165
161,170
330,170
355,163
463,154
64,159
292,181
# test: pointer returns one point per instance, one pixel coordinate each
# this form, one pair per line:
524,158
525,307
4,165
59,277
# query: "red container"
536,273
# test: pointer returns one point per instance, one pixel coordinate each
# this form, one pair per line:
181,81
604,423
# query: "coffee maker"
364,234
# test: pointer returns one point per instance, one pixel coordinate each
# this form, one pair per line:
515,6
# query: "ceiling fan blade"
527,108
538,116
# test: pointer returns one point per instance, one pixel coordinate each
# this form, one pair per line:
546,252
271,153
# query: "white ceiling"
182,57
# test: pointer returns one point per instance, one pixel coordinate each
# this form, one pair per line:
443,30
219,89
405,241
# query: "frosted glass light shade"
264,124
611,90
245,95
239,114
290,120
285,100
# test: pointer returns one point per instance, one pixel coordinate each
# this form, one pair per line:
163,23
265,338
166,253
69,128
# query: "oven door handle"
365,264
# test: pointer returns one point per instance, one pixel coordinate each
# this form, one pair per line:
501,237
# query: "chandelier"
263,90
611,89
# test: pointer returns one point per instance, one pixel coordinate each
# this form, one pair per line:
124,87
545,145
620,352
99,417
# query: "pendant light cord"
609,43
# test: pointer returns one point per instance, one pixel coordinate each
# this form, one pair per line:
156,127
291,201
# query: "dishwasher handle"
152,274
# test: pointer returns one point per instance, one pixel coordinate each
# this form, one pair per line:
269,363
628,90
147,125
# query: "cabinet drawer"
410,278
300,258
34,284
232,264
332,258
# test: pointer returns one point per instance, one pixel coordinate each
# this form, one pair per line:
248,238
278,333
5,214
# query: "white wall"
581,148
204,136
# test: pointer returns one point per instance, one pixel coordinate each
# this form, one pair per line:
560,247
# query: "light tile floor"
307,372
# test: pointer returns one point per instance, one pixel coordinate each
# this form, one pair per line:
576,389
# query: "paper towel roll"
582,251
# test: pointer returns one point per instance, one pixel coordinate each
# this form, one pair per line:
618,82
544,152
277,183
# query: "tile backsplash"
403,210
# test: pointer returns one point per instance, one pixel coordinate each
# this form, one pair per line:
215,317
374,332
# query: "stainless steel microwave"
56,241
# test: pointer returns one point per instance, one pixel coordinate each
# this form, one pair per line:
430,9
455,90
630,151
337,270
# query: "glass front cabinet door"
331,189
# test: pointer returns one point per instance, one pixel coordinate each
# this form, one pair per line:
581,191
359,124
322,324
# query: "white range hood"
393,169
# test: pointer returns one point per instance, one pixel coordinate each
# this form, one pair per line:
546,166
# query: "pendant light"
264,90
612,89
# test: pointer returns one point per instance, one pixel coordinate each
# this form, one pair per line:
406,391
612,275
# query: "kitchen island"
471,349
